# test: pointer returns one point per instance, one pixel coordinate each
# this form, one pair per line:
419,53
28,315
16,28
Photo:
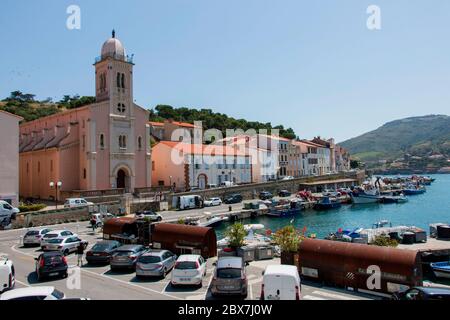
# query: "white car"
7,274
281,282
33,293
147,214
189,270
212,202
7,213
77,202
34,237
64,245
55,234
288,178
100,218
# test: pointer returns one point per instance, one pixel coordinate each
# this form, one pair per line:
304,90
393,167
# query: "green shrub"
236,234
31,207
287,238
384,241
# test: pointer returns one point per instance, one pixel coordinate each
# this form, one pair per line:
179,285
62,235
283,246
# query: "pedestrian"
80,252
93,224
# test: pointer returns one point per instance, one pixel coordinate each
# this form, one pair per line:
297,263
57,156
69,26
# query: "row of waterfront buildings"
111,145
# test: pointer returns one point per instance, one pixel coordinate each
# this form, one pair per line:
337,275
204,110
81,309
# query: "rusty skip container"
360,266
184,239
123,225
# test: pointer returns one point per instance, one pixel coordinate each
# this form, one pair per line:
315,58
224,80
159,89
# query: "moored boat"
441,269
326,203
285,209
411,191
393,199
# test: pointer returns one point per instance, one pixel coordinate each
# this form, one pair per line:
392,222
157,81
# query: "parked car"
102,251
65,245
77,202
7,213
265,195
189,270
226,184
155,263
281,282
234,198
211,186
212,202
126,256
33,293
7,274
287,178
284,193
147,214
100,218
55,234
423,293
34,237
331,193
51,264
230,277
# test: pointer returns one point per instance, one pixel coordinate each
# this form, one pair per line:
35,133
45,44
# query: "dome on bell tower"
113,48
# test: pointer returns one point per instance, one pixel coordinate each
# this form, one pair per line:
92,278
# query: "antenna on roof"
114,33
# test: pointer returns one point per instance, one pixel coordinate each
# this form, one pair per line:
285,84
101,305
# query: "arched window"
122,142
140,143
102,141
123,80
118,80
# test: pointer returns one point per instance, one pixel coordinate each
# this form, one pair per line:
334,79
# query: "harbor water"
421,210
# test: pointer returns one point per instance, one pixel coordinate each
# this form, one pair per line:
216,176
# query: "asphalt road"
99,283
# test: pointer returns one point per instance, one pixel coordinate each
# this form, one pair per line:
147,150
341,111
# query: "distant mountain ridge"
422,136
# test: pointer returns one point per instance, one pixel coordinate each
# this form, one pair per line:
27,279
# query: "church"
101,146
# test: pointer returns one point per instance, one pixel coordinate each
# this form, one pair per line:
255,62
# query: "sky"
310,65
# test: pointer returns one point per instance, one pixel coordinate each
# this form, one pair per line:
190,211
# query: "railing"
116,56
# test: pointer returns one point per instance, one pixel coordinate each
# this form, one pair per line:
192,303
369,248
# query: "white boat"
365,196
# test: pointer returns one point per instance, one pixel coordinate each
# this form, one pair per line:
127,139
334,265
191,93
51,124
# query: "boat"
393,199
441,269
326,203
365,196
414,190
285,209
212,221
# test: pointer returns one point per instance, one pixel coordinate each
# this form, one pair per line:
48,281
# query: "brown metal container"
119,226
184,239
351,265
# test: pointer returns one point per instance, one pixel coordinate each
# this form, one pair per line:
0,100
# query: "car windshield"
101,246
149,259
53,260
229,273
52,235
32,233
55,241
186,265
124,253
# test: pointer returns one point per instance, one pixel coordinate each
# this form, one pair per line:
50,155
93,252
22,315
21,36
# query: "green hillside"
417,136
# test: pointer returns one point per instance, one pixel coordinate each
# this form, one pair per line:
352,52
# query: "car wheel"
164,273
159,219
200,285
65,275
66,252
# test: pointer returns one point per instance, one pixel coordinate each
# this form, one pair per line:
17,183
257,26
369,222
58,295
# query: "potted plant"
236,234
288,239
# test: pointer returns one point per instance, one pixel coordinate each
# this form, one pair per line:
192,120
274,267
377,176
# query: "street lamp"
170,178
56,186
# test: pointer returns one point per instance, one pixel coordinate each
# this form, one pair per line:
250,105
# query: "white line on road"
332,295
308,297
23,283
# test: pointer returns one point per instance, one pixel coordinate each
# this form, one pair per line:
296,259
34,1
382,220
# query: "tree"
236,234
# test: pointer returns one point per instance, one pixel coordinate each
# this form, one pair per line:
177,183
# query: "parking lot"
99,282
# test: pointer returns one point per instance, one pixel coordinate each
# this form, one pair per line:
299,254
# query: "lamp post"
170,178
56,186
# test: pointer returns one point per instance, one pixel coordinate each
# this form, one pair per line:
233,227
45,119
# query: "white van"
77,202
226,184
7,274
281,282
7,213
188,202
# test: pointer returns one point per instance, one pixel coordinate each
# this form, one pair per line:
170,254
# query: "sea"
420,211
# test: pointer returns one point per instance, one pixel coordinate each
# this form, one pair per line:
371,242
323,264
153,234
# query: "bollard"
230,208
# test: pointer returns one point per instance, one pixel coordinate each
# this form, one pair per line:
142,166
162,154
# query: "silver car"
229,277
34,237
155,263
126,256
65,245
55,234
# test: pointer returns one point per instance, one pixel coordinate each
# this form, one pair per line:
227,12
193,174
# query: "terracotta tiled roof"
156,124
203,149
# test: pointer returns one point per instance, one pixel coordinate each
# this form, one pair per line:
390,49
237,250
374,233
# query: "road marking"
165,287
23,283
332,295
131,284
250,291
207,288
255,281
308,297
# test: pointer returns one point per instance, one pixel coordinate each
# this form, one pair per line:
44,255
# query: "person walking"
80,252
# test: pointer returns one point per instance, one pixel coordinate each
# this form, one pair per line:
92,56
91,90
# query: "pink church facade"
100,146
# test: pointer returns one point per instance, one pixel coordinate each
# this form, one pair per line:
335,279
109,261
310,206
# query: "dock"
433,246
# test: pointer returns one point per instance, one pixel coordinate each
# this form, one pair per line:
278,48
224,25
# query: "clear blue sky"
309,65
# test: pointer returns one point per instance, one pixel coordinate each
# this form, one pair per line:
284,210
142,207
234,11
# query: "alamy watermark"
374,19
73,21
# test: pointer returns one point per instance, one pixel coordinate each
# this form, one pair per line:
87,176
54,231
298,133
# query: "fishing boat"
285,209
441,269
414,190
327,203
365,196
393,198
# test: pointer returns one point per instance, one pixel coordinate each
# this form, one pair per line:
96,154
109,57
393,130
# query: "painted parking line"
309,297
332,295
